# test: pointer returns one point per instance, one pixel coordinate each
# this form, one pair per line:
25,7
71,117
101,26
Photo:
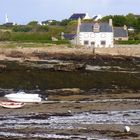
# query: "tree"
33,23
118,20
4,36
21,28
64,22
131,20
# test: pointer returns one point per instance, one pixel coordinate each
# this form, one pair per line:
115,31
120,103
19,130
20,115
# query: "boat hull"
12,105
23,97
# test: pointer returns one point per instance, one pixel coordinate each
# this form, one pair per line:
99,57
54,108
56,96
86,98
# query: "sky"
24,11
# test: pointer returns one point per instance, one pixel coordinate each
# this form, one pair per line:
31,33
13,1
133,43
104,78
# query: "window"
86,42
103,42
92,43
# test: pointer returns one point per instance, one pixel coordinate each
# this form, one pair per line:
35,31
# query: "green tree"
21,28
33,23
118,20
131,20
4,36
64,22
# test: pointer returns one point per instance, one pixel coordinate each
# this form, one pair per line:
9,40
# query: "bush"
36,37
5,36
22,28
30,37
128,42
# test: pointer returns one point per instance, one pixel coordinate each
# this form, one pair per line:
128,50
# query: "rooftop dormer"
96,28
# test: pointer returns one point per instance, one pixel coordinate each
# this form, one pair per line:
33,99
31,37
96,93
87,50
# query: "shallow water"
95,76
75,121
130,117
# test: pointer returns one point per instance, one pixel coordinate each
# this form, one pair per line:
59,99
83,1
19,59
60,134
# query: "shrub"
4,36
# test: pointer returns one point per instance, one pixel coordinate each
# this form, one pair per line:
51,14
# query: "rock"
57,66
2,67
68,67
65,91
127,129
15,54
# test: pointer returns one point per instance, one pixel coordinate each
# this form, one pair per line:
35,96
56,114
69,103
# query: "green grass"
35,38
129,42
12,44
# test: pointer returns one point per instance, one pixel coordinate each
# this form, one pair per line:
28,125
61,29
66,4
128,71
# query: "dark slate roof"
88,27
95,17
120,32
69,36
77,16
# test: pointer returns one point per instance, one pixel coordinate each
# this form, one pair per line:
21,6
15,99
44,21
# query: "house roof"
77,16
69,36
120,32
88,27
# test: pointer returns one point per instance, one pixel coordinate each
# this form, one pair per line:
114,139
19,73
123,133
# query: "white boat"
23,97
11,104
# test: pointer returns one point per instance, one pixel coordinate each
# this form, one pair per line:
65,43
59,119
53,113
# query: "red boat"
11,104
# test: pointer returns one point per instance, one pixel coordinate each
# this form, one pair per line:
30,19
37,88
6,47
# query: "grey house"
120,33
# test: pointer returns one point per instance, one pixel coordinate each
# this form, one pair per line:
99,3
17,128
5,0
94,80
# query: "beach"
96,102
29,51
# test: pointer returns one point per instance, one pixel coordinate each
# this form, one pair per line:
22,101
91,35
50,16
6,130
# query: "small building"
120,33
95,34
70,37
47,22
8,24
131,29
97,17
82,16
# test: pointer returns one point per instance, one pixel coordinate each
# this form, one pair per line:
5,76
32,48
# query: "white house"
95,34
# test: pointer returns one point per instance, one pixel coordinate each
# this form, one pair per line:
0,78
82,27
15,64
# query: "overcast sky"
24,11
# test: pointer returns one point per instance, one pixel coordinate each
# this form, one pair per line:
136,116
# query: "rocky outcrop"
65,91
2,67
66,66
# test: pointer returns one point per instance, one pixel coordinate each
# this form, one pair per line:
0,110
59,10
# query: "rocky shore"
73,113
19,53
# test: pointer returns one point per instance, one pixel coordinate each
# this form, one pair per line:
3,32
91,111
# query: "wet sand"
67,104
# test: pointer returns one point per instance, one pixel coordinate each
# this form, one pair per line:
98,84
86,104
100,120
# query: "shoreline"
63,52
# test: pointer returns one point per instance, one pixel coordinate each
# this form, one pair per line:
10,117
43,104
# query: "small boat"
23,97
11,104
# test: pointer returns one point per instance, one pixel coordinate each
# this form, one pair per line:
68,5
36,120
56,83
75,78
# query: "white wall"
97,38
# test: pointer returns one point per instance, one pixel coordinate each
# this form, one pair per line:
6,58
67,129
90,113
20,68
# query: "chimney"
125,27
110,22
62,35
78,25
78,31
